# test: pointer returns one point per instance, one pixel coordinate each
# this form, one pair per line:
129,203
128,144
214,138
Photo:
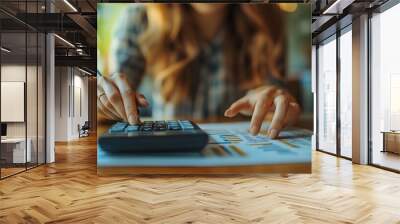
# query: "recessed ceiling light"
70,5
84,71
337,7
5,50
64,40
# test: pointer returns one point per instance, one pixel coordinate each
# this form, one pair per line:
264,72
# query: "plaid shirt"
214,95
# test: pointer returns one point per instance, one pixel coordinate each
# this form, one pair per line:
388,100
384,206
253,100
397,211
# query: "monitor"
3,129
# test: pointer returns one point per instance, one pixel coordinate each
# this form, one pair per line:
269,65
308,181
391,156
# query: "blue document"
230,144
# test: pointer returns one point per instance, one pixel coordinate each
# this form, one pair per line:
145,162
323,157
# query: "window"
385,88
329,111
346,93
327,96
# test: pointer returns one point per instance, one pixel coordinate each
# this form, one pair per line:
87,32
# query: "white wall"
80,109
61,103
71,93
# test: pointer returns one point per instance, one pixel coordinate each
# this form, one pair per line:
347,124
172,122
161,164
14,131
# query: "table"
391,141
291,159
13,150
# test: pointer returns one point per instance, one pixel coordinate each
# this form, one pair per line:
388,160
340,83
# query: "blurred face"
208,8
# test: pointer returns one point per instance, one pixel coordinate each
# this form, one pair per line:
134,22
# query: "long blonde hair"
171,45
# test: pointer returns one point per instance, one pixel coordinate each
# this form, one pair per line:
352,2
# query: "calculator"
154,137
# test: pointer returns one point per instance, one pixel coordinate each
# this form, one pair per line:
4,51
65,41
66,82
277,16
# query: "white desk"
18,149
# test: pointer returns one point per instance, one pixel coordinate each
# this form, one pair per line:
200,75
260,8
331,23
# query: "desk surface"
289,154
391,132
13,140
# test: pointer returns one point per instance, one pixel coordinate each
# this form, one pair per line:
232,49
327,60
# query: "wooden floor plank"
70,191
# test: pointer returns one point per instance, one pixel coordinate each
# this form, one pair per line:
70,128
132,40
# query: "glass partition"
22,88
15,149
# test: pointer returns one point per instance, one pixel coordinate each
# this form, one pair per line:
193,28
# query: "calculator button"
173,125
175,128
160,125
188,127
147,124
119,127
132,128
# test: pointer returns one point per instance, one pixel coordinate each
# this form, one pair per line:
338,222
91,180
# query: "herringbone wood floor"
69,191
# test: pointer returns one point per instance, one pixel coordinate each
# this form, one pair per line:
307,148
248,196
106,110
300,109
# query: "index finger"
128,97
240,105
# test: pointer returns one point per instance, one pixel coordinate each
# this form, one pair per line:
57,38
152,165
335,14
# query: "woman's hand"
258,102
117,100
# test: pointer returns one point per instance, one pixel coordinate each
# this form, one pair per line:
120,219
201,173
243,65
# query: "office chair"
84,130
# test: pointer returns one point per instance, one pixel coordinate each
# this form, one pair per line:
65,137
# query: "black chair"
84,130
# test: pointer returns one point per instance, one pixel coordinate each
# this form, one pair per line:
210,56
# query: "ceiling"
76,22
72,20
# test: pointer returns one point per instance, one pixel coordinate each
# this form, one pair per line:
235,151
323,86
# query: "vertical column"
360,90
50,93
338,76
